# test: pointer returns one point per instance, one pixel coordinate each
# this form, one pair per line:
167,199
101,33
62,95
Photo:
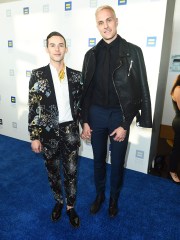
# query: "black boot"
56,213
113,207
73,217
95,207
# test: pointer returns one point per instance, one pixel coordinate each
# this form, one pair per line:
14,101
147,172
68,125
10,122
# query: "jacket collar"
123,47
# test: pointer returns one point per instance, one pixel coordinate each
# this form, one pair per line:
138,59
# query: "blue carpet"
149,205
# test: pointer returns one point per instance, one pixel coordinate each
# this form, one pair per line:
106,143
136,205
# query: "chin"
110,37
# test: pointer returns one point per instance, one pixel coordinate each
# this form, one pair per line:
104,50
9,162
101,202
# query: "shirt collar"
54,72
114,43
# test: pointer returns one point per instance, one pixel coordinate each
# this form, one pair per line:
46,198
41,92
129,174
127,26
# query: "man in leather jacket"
115,90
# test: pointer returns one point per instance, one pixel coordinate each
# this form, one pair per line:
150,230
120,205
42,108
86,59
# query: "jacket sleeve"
79,109
87,75
144,118
126,124
33,116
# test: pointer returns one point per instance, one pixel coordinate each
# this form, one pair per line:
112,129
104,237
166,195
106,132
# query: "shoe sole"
55,220
75,226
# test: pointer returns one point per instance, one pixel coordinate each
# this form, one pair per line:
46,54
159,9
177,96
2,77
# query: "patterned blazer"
43,119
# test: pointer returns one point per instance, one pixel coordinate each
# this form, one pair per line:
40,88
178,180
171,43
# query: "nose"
105,24
57,48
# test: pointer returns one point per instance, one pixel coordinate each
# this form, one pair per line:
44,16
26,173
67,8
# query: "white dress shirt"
62,96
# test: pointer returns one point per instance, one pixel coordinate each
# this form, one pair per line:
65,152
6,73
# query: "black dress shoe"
113,207
56,213
97,203
73,217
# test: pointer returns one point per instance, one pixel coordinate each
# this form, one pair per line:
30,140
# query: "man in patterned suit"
54,96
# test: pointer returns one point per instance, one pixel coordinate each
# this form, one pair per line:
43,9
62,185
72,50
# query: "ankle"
174,176
69,207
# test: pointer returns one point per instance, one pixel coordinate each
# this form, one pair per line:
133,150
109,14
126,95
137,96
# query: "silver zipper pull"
67,130
130,66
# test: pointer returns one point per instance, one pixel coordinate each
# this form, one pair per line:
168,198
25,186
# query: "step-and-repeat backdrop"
24,26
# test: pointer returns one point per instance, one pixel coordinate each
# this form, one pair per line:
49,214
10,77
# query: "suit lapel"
70,85
48,76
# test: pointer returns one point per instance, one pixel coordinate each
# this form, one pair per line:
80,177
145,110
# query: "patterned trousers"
64,160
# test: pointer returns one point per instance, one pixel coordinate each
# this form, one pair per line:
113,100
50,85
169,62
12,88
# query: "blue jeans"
103,121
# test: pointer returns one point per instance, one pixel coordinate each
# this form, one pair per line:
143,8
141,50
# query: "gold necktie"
62,74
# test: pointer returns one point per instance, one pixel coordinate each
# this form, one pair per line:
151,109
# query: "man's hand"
86,133
119,134
36,146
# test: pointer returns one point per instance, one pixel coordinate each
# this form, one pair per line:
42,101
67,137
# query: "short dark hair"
55,34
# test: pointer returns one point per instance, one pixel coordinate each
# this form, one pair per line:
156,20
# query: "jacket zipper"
117,93
130,66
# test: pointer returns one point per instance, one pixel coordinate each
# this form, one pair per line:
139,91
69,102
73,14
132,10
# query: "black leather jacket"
129,80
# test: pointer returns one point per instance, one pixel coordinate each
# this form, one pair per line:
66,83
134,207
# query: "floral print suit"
59,141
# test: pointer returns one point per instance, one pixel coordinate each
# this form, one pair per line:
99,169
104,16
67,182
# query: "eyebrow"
100,21
62,44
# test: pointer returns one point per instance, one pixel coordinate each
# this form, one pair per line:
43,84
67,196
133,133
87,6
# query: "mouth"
107,31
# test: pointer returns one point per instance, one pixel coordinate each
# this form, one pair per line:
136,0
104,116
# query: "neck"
108,41
58,65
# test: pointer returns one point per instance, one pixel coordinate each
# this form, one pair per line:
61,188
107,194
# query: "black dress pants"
104,121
